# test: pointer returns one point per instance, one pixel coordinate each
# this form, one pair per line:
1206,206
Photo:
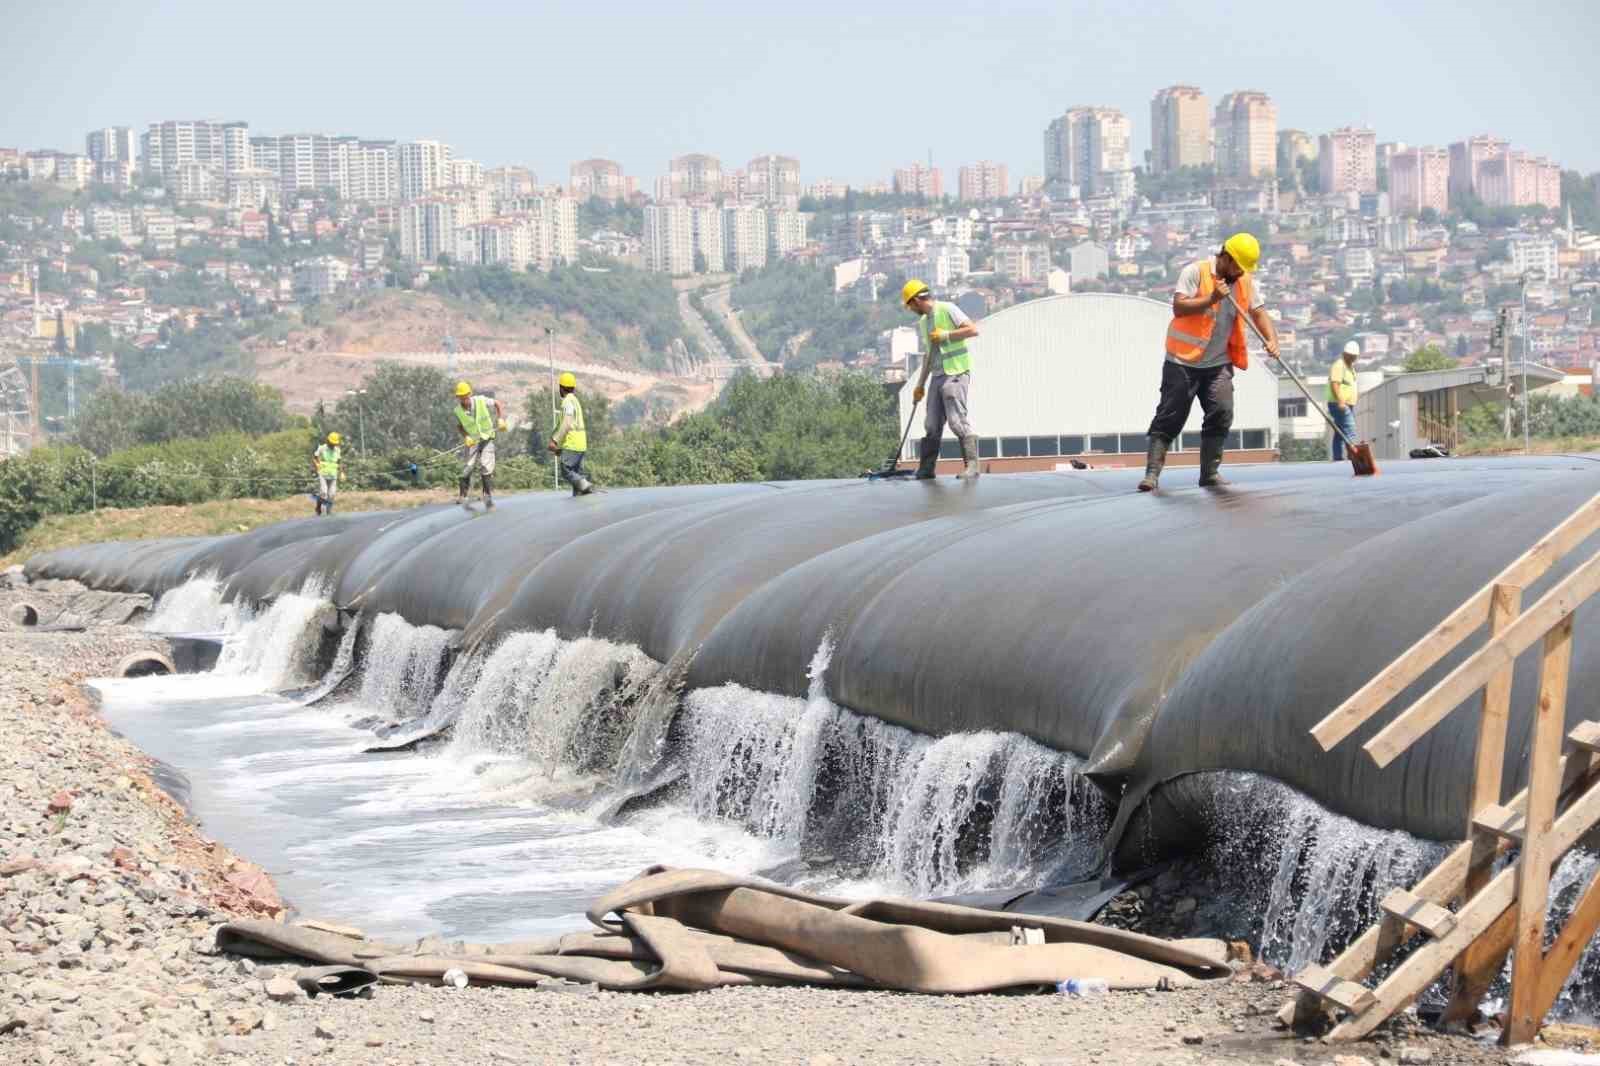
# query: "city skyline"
772,100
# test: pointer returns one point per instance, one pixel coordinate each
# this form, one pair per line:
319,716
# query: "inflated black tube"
286,568
662,581
1249,699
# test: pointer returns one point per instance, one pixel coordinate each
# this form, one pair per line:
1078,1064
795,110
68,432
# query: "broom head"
1361,459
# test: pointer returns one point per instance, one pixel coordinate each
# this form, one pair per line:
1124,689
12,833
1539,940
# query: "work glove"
918,393
938,336
553,448
472,442
501,425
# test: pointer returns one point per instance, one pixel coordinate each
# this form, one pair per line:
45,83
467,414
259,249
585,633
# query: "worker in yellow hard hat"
1205,345
944,330
325,465
569,439
478,418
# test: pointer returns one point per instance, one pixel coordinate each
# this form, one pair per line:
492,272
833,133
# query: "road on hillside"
718,301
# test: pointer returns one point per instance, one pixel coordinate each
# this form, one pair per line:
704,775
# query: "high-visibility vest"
577,438
954,353
1188,335
478,422
328,460
1341,383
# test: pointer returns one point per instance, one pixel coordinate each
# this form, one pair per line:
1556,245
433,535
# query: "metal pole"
361,422
94,483
550,346
1527,446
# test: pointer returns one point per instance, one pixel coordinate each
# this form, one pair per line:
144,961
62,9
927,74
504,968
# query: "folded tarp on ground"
687,930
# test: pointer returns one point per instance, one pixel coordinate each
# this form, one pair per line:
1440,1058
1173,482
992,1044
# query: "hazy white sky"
851,88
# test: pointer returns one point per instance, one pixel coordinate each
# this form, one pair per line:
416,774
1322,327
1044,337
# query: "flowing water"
514,813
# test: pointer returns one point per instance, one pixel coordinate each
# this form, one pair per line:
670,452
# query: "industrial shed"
1077,377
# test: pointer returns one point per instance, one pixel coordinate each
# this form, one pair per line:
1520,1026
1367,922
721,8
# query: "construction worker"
570,439
1205,344
478,426
1342,395
325,465
945,330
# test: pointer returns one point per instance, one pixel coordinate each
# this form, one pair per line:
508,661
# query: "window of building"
1135,443
1071,444
1103,442
1255,438
949,448
1013,447
1295,408
1235,439
1043,446
1189,442
988,447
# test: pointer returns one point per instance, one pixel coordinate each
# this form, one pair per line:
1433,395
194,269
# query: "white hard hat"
1352,348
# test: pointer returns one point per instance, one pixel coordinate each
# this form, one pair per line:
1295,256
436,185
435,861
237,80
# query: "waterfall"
401,666
278,647
196,607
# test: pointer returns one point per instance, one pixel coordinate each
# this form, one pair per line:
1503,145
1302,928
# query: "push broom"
1360,454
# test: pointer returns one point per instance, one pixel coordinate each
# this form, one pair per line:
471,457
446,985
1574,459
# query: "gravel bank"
109,896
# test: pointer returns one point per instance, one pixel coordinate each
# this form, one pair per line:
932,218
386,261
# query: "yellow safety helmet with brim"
334,439
911,290
463,389
1244,249
568,380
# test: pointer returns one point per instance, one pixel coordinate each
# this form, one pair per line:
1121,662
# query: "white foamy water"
277,648
195,607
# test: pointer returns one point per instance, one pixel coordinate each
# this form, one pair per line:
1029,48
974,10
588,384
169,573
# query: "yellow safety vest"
328,460
955,359
577,439
479,422
1341,384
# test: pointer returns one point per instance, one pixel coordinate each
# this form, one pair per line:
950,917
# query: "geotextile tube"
1160,637
689,930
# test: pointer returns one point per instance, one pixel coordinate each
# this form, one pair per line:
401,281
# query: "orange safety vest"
1188,335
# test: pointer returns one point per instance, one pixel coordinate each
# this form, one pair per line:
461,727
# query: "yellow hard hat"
568,381
1245,250
334,438
463,389
910,289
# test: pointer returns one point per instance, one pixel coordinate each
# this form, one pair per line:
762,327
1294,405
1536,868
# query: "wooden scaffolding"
1468,915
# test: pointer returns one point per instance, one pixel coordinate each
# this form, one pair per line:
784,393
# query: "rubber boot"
319,506
1155,459
1210,458
969,452
583,487
927,455
488,492
466,483
330,508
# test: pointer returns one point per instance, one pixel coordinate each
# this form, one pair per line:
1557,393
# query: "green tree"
1428,357
404,406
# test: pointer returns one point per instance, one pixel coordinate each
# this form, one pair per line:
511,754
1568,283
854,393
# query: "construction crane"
72,364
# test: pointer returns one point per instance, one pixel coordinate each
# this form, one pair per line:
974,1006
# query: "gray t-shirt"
1216,353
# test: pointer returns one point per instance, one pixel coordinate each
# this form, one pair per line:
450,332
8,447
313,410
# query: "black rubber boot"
969,453
1155,459
1211,449
466,484
330,507
583,487
926,457
319,506
488,492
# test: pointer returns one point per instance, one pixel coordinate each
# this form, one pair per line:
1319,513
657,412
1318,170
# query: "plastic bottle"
1082,987
456,978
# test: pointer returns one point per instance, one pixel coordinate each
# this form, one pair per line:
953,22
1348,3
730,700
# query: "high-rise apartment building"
668,237
1086,149
372,171
1347,159
774,179
919,180
511,181
1387,150
1180,129
424,166
466,172
786,231
166,146
1245,130
113,144
982,181
1419,178
598,177
236,147
555,226
264,153
1519,179
1467,159
693,177
744,237
1294,145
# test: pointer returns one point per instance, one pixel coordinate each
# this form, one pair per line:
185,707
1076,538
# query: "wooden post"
1568,948
1533,867
1477,967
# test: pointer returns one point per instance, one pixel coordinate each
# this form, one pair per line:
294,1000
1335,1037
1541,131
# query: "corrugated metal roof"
1085,363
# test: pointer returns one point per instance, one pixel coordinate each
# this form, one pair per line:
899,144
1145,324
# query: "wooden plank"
1568,948
1497,653
1414,910
1335,989
1479,966
1423,966
1457,626
1586,735
1501,822
1538,850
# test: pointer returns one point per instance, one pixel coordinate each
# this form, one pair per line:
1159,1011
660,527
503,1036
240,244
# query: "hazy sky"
851,88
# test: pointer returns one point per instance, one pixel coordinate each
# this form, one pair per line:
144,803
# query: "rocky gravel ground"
109,897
